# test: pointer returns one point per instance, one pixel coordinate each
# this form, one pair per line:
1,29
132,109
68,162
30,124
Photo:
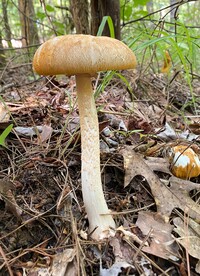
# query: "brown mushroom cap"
82,54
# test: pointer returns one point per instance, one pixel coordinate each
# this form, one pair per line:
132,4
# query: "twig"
162,9
3,88
6,262
20,48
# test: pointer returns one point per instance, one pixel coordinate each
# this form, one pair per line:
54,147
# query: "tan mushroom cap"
82,54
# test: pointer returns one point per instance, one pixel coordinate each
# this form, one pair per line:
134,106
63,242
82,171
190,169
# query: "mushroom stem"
93,196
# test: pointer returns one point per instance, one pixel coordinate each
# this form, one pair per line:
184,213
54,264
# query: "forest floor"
43,224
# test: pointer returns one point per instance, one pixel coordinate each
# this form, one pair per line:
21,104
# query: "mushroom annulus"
84,56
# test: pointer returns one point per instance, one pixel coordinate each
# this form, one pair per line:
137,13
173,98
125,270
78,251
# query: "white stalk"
93,196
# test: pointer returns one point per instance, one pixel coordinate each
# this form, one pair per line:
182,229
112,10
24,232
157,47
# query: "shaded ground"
41,172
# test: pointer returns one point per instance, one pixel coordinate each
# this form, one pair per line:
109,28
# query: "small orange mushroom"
184,162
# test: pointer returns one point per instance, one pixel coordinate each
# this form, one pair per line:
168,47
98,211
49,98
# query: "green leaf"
148,43
4,134
183,45
140,2
139,14
40,15
106,80
59,24
107,19
49,8
126,12
126,82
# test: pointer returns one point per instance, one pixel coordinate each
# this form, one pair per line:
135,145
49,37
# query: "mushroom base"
96,208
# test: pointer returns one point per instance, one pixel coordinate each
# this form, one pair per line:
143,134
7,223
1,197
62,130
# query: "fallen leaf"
197,268
167,63
189,232
63,264
162,243
168,134
155,113
115,269
158,164
146,265
4,113
195,127
115,122
140,124
129,235
180,190
125,258
169,194
7,196
121,251
28,131
45,134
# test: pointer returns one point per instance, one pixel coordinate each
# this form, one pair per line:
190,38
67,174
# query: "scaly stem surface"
93,196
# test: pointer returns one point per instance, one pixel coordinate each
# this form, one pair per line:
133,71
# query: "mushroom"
84,56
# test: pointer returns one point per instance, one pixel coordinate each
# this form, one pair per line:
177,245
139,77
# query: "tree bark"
2,54
95,16
111,8
101,8
80,13
6,23
28,26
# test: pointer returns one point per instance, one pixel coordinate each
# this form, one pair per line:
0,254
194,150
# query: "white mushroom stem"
93,197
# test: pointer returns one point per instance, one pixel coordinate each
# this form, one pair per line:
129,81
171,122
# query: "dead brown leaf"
115,269
7,196
189,232
167,63
158,164
135,123
4,113
63,264
161,243
121,251
45,134
168,194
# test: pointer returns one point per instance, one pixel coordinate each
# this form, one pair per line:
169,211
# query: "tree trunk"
2,54
101,8
80,13
28,26
6,23
95,16
111,8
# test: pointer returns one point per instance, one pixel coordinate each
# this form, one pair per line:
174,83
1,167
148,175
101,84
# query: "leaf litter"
157,214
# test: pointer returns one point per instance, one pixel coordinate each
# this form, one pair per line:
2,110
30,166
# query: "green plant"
4,134
107,19
109,75
183,48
